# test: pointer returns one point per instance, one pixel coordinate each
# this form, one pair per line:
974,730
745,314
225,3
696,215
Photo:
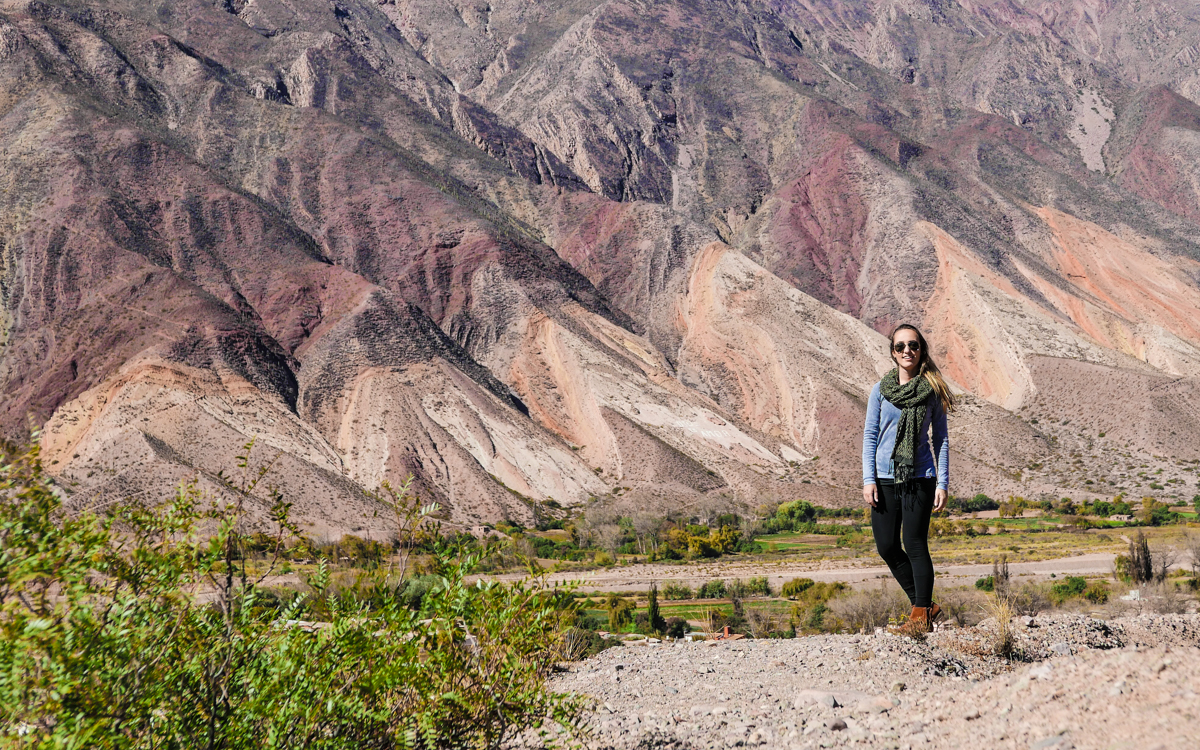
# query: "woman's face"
906,348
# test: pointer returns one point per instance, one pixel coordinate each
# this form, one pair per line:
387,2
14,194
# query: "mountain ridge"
548,251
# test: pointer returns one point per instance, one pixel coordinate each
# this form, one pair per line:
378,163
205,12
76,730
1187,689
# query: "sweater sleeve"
941,444
871,437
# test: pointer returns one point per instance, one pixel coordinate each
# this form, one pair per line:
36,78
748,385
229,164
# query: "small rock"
1028,622
898,687
807,697
837,725
972,716
1054,742
1062,648
671,690
1119,687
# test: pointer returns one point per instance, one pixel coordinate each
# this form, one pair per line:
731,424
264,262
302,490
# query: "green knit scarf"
912,399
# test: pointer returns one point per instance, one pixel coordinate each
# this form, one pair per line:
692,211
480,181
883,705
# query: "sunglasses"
913,346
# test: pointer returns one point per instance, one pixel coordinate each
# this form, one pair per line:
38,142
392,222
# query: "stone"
837,725
815,697
1054,742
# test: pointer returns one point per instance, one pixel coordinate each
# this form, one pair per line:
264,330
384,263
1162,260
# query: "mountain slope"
556,250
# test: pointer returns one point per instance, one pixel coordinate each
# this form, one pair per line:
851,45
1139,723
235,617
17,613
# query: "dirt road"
860,571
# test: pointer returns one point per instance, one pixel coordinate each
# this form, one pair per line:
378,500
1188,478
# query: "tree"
657,623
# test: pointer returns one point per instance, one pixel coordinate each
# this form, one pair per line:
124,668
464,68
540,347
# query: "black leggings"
911,565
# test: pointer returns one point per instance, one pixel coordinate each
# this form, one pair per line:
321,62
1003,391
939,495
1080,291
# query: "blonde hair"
928,368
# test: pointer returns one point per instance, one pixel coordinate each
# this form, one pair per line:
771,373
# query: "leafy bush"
1097,592
795,513
554,550
987,583
756,586
975,504
1068,588
104,644
714,589
676,591
795,587
412,592
811,606
1154,513
677,627
620,615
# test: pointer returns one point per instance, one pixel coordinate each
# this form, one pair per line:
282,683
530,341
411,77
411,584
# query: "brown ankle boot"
917,625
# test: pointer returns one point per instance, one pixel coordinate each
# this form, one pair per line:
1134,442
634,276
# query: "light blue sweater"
879,440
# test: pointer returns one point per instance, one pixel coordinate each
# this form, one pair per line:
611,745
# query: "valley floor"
854,571
1079,682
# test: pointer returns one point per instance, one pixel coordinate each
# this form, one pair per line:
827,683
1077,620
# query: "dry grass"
1003,639
1164,598
961,605
863,611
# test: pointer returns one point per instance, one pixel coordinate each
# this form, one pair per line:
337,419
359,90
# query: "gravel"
1075,682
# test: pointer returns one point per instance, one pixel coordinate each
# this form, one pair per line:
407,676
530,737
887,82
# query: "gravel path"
1084,683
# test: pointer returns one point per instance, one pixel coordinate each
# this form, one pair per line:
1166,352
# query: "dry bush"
961,605
1191,543
763,622
1027,599
1003,639
863,611
1000,576
1164,598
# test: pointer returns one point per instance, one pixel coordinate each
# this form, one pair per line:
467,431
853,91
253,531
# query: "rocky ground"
1077,682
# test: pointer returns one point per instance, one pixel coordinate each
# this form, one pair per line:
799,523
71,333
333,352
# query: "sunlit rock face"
534,251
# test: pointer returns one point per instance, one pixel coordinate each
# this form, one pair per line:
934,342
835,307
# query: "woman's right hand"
870,494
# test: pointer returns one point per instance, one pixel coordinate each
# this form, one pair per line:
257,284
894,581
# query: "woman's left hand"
939,499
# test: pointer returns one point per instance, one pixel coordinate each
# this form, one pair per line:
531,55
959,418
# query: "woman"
902,481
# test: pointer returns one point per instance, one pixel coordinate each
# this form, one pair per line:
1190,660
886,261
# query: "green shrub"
795,587
676,591
756,586
987,583
103,643
620,615
413,591
1068,588
816,616
677,627
1097,592
812,604
712,590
